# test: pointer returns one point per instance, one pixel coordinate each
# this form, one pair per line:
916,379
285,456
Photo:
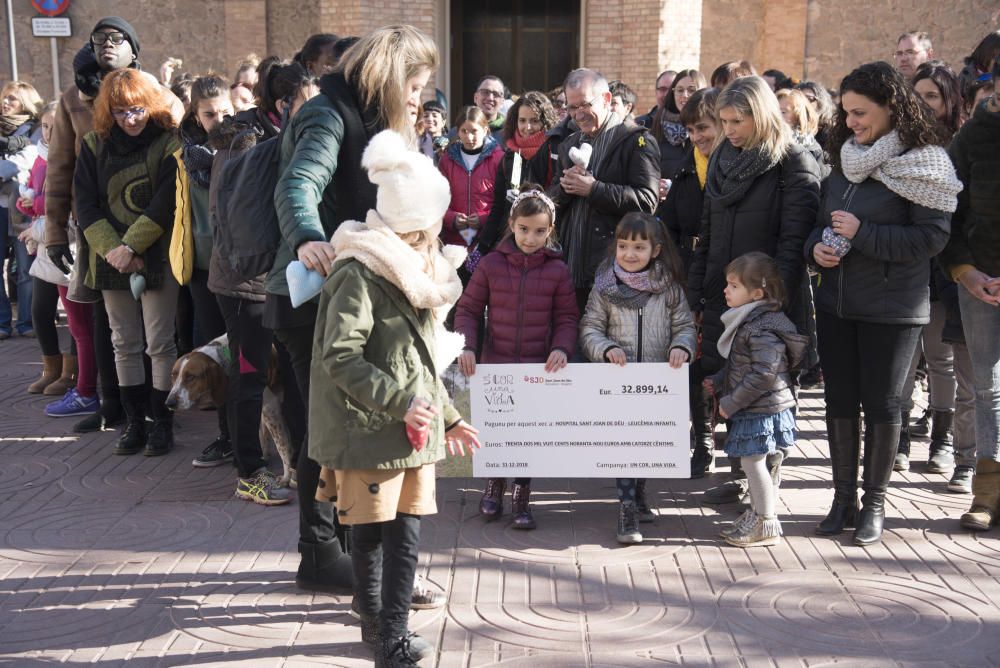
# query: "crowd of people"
772,234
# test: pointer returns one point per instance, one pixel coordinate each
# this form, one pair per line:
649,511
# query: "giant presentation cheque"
585,421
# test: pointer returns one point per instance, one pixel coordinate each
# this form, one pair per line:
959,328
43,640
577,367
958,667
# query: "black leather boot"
880,451
844,437
325,567
901,462
703,433
160,439
133,434
942,454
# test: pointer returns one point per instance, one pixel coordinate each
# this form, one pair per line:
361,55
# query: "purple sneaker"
72,404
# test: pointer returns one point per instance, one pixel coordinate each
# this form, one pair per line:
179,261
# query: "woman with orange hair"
124,185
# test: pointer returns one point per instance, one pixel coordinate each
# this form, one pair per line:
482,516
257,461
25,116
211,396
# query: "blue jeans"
981,323
24,282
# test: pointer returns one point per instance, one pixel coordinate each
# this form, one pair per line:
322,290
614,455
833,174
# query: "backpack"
246,233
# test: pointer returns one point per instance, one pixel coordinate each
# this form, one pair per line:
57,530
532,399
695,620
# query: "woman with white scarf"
886,211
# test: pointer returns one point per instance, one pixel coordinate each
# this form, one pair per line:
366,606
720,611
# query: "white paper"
515,172
584,421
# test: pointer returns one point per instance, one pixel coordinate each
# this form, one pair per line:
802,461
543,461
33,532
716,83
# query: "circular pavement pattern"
979,549
111,533
861,615
20,472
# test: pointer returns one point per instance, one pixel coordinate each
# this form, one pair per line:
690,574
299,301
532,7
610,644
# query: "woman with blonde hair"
761,194
124,186
376,86
20,108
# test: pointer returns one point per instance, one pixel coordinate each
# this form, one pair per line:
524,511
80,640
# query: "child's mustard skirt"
366,496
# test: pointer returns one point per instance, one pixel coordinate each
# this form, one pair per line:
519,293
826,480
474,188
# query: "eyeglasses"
588,105
486,92
908,52
99,38
559,104
125,114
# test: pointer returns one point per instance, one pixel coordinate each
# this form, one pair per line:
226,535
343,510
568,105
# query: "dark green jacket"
373,352
321,182
975,226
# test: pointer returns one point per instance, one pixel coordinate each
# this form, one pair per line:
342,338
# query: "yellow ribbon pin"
642,141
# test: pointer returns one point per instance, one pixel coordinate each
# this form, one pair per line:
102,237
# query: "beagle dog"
200,380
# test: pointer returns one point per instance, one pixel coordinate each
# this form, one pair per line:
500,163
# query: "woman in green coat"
379,416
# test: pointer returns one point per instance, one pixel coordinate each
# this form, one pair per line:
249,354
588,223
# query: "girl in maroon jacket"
533,316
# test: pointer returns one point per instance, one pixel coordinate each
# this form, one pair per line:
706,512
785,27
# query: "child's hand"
556,361
25,236
723,413
461,437
472,221
26,202
460,222
678,357
616,356
419,414
708,385
467,363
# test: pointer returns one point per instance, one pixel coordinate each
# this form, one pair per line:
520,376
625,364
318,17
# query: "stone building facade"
628,39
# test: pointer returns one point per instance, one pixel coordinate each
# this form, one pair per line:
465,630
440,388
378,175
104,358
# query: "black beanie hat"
122,26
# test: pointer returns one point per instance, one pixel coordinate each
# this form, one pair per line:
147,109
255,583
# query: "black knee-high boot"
880,451
400,541
844,437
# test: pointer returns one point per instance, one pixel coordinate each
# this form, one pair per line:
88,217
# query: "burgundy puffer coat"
532,306
471,191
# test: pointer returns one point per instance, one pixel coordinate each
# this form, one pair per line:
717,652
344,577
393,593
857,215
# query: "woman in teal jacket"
379,413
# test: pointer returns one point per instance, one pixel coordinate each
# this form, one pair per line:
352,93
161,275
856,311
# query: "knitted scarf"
923,175
625,288
673,131
526,146
731,172
9,124
731,320
197,155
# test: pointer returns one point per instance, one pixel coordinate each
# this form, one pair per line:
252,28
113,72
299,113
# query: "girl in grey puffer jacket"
637,312
761,348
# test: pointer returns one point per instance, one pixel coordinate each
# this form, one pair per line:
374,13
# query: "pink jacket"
36,181
471,191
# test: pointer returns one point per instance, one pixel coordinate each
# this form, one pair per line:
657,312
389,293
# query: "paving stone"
140,562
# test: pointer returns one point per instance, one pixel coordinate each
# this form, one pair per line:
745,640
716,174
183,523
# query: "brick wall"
629,39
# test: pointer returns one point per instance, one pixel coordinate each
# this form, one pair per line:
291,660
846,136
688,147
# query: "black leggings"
317,520
864,366
44,301
384,556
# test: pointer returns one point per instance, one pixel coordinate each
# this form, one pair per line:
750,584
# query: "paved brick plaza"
133,561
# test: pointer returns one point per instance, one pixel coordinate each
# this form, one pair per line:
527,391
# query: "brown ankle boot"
66,380
985,510
51,370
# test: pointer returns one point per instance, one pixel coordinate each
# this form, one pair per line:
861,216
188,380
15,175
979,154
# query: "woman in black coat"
761,194
525,133
886,211
681,213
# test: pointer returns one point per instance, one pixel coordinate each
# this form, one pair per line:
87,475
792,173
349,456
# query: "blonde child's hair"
805,120
758,270
426,244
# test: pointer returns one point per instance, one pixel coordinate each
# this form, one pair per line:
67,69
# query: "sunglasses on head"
99,38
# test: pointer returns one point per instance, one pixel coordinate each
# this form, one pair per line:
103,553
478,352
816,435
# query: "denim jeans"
981,323
24,281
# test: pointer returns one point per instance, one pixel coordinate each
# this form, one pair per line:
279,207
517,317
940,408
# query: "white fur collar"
377,247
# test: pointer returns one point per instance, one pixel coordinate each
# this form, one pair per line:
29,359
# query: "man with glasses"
113,45
489,97
662,88
912,49
621,176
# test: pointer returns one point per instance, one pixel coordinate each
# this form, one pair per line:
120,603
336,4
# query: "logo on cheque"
498,392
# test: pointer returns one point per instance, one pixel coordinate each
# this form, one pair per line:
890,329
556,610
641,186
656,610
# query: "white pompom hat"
412,194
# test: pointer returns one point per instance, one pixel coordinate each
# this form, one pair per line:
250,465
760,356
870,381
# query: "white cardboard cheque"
584,421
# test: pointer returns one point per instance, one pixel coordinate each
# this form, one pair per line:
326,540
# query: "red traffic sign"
50,7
